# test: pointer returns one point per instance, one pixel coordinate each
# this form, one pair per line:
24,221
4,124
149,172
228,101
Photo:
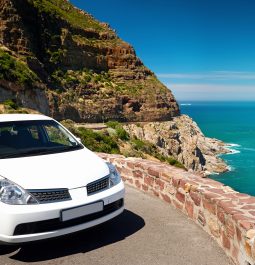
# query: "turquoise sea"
234,123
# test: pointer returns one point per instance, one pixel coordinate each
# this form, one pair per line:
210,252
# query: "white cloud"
212,91
214,75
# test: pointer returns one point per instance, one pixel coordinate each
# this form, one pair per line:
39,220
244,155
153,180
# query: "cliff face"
59,60
182,139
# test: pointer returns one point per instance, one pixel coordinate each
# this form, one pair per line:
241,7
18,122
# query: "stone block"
214,227
145,187
130,165
148,180
196,197
180,196
166,176
138,174
138,184
201,218
176,182
159,184
225,240
177,205
230,228
221,215
154,171
165,197
126,172
189,206
209,206
238,235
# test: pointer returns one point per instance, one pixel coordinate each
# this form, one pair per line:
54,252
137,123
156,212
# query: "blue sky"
201,49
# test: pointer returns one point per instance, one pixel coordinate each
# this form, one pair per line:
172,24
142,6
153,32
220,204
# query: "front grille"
98,185
48,196
56,224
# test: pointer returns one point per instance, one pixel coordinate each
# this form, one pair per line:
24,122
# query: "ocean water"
233,123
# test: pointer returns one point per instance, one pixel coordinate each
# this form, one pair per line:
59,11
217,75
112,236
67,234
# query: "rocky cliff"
61,61
182,139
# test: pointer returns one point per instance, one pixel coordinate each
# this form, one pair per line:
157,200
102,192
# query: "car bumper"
34,216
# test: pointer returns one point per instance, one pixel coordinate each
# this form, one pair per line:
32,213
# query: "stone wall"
228,216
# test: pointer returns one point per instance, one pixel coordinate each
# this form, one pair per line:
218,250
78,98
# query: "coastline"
228,149
232,151
225,149
182,138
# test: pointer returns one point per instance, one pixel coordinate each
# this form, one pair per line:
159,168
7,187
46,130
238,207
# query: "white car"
50,184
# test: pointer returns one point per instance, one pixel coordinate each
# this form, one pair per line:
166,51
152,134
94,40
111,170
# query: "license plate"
80,211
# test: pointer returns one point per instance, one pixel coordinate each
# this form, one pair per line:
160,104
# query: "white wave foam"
185,104
233,145
231,168
215,173
233,148
233,152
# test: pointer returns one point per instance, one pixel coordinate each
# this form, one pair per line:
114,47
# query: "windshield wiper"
67,148
26,153
41,151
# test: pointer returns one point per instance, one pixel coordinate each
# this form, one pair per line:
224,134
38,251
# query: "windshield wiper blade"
41,151
26,153
67,148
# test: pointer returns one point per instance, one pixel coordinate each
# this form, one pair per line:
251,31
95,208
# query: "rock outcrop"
83,68
182,139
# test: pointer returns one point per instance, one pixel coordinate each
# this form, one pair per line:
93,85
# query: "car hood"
63,170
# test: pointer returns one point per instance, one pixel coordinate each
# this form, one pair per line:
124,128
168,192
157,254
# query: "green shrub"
151,149
112,124
55,56
138,144
10,103
174,162
121,133
13,70
97,141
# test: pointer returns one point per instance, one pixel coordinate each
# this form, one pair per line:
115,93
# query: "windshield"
28,138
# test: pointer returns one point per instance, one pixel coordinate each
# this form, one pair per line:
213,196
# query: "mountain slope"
61,61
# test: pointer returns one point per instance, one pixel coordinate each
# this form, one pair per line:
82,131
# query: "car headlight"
115,177
11,193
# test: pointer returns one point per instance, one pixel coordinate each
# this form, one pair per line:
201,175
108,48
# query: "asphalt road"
149,232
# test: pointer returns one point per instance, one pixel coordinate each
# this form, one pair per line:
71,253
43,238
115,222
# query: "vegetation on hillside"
95,141
10,106
115,140
14,70
65,10
84,78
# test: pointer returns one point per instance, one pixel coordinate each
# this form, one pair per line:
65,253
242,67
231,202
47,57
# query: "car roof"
22,117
